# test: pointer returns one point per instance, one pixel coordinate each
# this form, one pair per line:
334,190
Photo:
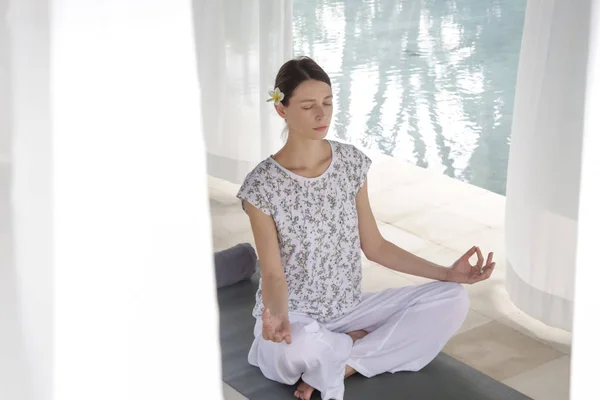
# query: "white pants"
407,328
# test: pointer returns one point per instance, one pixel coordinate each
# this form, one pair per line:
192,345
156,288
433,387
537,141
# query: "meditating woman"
309,210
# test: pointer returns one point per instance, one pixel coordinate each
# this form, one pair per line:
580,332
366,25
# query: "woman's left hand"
463,272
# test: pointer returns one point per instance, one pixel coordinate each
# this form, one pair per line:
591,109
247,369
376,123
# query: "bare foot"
304,391
349,371
355,335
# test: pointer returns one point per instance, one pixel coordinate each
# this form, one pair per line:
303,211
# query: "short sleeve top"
317,228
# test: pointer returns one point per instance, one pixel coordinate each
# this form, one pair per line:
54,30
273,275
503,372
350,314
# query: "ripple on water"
429,82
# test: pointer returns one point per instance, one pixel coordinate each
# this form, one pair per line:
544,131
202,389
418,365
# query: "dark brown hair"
294,72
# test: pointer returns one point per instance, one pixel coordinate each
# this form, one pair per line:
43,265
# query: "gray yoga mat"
445,378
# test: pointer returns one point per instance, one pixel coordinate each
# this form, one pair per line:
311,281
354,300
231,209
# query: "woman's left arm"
387,254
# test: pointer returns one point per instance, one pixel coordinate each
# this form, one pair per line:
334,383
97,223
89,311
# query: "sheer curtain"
106,277
240,44
26,295
542,194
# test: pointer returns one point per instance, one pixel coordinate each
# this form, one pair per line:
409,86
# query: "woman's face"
309,110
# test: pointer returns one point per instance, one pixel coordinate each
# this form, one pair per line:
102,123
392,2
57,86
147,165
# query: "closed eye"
326,105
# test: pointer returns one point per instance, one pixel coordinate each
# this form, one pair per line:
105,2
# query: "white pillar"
241,45
586,330
111,287
542,192
136,314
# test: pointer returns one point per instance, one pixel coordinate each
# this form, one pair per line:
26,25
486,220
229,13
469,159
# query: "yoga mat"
445,378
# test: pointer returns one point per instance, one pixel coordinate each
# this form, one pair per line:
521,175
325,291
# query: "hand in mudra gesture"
462,271
276,328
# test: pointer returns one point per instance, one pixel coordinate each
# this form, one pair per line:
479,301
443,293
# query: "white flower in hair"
276,96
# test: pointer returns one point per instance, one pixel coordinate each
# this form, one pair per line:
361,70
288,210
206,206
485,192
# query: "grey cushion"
443,379
235,264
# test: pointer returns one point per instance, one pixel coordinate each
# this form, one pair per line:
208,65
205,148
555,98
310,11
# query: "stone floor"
439,218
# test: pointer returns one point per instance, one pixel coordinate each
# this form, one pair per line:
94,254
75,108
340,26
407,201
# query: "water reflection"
430,82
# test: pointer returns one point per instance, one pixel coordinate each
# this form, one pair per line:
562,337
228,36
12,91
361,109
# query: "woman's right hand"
276,328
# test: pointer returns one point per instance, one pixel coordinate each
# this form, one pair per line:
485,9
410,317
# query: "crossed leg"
405,330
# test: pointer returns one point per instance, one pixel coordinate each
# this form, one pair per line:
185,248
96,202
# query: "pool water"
430,82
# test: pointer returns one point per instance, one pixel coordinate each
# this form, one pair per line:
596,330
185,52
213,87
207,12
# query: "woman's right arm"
274,284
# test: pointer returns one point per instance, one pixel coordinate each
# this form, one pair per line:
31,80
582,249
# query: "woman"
310,215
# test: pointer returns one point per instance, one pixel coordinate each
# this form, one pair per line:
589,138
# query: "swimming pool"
430,82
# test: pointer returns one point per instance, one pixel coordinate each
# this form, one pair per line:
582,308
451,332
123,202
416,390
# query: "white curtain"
26,295
542,193
241,44
106,287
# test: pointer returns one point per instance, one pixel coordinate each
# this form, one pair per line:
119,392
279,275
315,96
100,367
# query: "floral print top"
317,228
